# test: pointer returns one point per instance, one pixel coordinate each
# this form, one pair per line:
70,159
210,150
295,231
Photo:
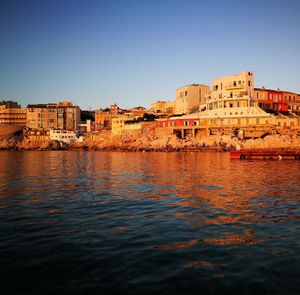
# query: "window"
234,83
249,83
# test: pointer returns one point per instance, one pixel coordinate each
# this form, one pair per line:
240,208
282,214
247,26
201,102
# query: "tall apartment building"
232,98
232,91
62,116
12,114
190,97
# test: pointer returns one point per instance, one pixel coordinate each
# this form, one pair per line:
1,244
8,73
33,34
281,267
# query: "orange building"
269,99
12,116
293,101
104,117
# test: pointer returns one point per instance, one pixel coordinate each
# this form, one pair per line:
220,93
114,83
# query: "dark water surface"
148,223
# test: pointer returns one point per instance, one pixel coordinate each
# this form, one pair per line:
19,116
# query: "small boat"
266,154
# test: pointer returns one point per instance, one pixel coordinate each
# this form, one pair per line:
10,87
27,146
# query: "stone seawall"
150,142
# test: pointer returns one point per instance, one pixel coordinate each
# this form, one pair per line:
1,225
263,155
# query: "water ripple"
180,223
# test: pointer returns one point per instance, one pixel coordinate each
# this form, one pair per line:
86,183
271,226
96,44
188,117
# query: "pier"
266,154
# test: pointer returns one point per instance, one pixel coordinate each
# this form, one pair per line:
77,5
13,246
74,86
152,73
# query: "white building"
63,135
232,97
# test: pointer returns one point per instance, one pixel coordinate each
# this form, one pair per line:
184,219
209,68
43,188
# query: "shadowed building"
12,117
61,116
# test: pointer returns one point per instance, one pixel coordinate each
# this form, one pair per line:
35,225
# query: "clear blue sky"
135,52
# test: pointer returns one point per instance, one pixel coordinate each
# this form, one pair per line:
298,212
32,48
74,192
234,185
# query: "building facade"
190,97
66,136
103,118
13,116
118,124
158,106
293,101
232,91
61,116
277,101
170,107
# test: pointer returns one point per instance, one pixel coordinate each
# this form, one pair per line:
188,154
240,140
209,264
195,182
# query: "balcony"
233,86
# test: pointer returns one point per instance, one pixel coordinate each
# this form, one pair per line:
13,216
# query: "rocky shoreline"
151,143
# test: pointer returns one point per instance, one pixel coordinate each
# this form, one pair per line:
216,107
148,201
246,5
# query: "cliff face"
18,142
150,142
10,141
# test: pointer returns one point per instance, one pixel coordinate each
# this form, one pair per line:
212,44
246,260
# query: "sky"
135,52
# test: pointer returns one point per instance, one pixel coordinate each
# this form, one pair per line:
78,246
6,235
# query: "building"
136,111
128,125
61,116
66,136
262,99
293,101
270,100
37,137
170,107
232,98
190,97
12,118
230,104
277,101
158,106
103,118
279,105
163,107
232,91
118,124
12,115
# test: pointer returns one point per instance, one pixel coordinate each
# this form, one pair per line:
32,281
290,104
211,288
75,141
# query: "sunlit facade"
190,97
62,116
13,116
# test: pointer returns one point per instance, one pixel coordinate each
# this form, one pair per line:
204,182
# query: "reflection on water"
77,222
